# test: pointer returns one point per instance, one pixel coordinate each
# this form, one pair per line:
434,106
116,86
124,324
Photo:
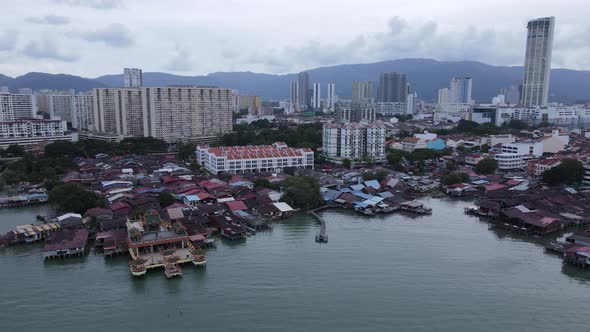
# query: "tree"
62,149
302,192
13,150
375,175
569,172
346,163
72,197
186,151
11,177
485,148
486,166
265,183
453,178
517,124
451,165
166,199
395,157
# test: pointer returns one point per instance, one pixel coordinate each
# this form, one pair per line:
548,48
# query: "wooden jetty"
321,237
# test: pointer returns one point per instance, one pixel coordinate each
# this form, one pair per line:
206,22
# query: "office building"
393,87
331,97
132,78
537,63
251,104
316,100
303,96
511,95
392,108
516,155
460,90
253,158
353,140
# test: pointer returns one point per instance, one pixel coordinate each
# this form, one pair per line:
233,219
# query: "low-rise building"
253,158
30,132
536,168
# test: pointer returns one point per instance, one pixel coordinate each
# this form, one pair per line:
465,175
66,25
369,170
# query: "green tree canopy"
302,192
375,175
455,177
166,199
486,166
72,197
568,172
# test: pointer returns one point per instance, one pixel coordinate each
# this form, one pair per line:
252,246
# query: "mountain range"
426,76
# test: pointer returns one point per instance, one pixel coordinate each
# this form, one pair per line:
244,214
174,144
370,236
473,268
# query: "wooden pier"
321,237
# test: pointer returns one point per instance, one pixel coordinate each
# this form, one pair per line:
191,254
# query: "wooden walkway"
321,237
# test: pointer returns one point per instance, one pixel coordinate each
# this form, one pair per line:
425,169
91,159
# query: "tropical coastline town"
160,174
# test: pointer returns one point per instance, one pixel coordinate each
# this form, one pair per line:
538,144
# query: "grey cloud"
8,40
48,48
180,61
96,4
115,35
49,20
402,40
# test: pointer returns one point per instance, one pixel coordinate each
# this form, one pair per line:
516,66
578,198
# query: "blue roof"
331,195
385,194
240,183
373,183
477,182
192,198
357,187
36,196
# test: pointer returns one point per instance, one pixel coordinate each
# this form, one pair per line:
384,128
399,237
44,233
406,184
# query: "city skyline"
56,36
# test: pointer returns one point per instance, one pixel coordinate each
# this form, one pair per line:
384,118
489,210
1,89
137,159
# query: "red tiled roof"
236,205
256,151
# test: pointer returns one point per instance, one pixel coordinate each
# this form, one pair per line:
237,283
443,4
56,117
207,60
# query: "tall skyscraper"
331,97
293,96
132,78
444,96
362,92
460,92
61,107
316,100
393,87
83,111
303,97
537,62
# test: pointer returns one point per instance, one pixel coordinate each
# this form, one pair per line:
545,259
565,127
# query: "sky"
91,38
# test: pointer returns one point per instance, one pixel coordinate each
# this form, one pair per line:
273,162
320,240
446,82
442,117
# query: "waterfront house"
65,243
523,220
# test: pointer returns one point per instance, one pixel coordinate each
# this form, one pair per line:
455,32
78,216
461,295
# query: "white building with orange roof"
253,158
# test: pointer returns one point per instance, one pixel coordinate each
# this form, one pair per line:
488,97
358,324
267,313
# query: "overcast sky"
193,37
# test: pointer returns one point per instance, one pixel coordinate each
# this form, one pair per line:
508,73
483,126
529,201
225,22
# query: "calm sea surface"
445,272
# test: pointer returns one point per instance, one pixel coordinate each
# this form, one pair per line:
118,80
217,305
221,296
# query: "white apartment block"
33,131
170,113
253,158
516,155
331,97
185,113
17,106
316,100
82,116
132,78
393,108
61,107
354,140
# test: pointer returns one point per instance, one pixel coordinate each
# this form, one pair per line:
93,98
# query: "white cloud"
49,20
180,60
48,48
96,4
8,40
115,35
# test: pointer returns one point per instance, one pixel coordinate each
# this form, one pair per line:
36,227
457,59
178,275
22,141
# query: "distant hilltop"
426,76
